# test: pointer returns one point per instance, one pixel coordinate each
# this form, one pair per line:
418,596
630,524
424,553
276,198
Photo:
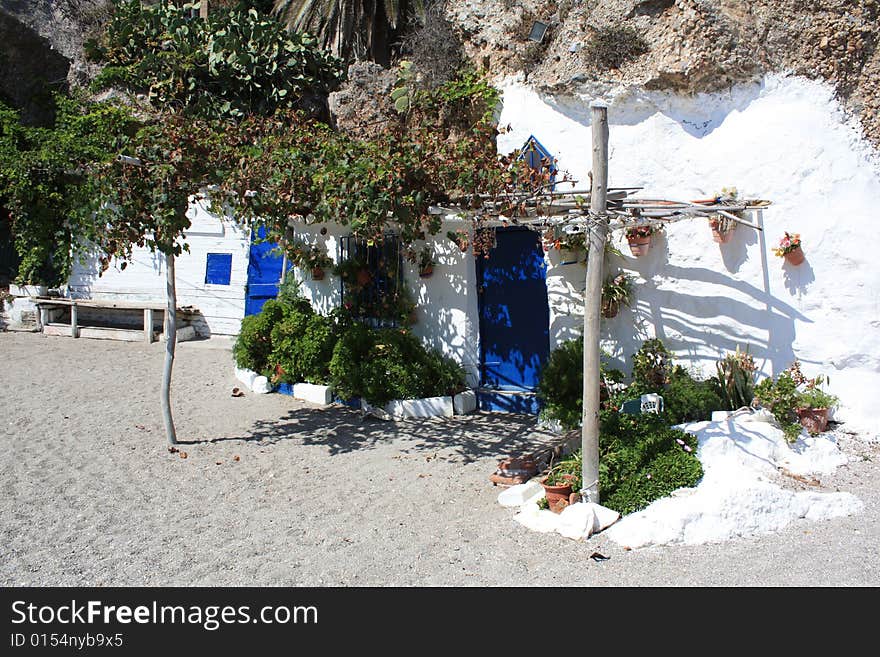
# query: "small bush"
287,337
642,459
253,346
561,387
614,45
380,365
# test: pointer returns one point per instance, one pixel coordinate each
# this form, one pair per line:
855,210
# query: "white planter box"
28,290
427,407
315,394
464,402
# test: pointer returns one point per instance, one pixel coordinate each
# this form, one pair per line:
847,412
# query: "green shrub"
736,379
561,387
652,365
641,459
380,365
687,399
788,392
253,346
287,337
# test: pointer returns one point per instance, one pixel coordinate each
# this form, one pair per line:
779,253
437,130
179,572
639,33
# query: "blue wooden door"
264,273
514,320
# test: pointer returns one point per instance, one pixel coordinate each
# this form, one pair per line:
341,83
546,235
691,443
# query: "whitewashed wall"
221,307
784,139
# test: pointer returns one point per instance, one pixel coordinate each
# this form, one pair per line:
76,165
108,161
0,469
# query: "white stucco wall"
221,307
785,140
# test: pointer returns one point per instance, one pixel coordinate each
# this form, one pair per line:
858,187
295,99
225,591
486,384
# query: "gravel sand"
277,492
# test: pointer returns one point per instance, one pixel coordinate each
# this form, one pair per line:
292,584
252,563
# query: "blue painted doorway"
264,273
514,321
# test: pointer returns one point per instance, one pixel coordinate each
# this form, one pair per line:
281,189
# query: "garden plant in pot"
796,401
426,262
790,249
640,237
311,258
615,291
562,483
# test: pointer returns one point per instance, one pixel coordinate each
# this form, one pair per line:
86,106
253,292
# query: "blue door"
264,274
514,321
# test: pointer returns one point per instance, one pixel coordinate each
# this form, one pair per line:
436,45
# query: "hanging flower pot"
794,257
317,273
722,229
639,246
610,309
426,272
363,277
790,249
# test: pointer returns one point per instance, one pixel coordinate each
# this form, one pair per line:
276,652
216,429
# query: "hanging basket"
317,273
426,272
639,246
794,257
610,309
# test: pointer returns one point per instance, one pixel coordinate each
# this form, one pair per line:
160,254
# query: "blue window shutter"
218,270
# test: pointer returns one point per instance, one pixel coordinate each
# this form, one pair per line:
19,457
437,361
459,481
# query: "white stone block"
246,376
536,519
261,385
28,290
577,521
315,394
427,407
605,517
521,494
464,402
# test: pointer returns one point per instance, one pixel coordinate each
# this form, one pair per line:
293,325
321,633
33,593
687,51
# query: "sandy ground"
276,492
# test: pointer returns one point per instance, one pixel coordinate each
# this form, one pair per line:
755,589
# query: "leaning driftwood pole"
170,344
598,233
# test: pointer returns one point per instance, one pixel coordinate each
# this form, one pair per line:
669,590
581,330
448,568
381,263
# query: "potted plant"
795,401
790,249
312,258
722,228
814,405
426,262
561,482
615,291
354,272
461,239
639,238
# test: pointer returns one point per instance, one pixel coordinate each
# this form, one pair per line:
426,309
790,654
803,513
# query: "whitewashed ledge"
253,381
446,406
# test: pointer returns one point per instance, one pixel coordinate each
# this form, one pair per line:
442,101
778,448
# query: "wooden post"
598,233
74,328
148,325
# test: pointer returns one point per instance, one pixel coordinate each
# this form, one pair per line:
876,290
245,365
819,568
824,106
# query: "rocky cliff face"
690,45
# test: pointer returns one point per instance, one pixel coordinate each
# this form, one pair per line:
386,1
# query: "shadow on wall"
443,306
699,116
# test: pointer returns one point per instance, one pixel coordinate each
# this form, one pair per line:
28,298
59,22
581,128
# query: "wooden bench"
47,304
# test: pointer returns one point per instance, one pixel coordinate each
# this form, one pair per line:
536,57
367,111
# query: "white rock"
536,519
521,494
317,394
261,385
246,376
464,402
577,521
605,517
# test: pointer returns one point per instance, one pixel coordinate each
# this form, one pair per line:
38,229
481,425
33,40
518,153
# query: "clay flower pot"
814,420
722,237
794,257
363,277
426,272
639,246
557,495
610,309
317,273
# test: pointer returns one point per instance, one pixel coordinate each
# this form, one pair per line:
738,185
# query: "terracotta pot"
639,245
795,257
363,277
556,494
317,273
722,237
610,309
814,420
426,272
